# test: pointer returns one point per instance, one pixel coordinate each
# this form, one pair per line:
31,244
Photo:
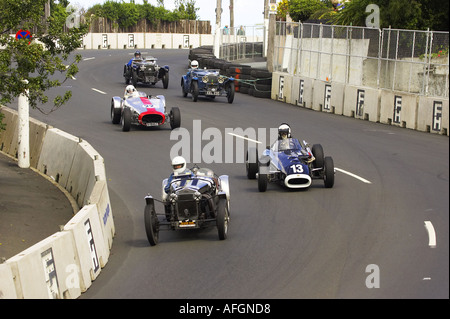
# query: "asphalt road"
319,243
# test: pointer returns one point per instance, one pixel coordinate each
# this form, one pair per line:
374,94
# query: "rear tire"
251,163
165,80
317,151
328,175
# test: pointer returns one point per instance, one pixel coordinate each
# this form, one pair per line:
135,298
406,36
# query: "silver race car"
138,108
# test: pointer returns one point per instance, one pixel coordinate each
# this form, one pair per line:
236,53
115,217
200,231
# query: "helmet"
137,55
178,165
130,90
284,131
194,64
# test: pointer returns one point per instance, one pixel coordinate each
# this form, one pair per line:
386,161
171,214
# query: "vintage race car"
208,83
146,71
290,163
143,110
194,201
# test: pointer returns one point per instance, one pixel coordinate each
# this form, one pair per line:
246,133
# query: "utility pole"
217,31
271,37
23,129
232,17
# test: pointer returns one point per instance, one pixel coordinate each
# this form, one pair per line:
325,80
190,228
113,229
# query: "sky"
246,12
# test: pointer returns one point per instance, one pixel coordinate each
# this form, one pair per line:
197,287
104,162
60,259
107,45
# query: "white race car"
138,108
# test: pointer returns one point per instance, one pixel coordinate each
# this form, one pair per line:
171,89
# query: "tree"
415,14
47,61
301,10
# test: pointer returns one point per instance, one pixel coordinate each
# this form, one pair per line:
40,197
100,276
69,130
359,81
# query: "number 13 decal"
297,168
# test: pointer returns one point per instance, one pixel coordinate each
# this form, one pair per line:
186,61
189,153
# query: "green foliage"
399,14
301,10
46,62
128,14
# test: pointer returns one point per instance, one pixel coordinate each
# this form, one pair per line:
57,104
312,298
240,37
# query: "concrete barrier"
7,287
8,138
413,111
65,264
142,40
282,87
362,103
433,115
398,109
302,92
47,269
57,154
90,248
100,197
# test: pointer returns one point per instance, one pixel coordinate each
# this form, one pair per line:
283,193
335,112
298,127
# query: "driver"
130,91
284,134
194,65
179,171
137,55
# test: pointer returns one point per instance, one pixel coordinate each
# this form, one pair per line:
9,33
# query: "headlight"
205,79
221,79
173,197
197,195
142,67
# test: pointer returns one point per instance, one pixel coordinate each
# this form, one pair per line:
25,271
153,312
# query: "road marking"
98,91
245,138
86,59
431,234
353,175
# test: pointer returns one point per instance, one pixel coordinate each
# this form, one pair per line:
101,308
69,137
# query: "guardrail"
64,264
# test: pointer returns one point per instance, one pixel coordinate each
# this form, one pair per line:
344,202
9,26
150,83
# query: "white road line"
86,59
245,138
98,91
353,175
431,234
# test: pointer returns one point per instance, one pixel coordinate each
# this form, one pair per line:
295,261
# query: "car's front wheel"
175,118
230,92
251,163
126,119
222,218
194,91
151,224
328,175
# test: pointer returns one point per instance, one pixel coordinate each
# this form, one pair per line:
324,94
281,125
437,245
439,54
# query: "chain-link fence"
242,43
402,60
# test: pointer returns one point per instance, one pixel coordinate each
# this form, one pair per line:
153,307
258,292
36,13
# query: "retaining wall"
413,111
63,265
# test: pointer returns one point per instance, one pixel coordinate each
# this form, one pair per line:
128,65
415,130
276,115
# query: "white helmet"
194,64
130,90
178,165
284,131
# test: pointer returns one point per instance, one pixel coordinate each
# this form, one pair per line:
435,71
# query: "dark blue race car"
290,163
209,83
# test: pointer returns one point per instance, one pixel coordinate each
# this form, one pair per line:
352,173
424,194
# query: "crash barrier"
248,80
64,264
145,40
413,111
